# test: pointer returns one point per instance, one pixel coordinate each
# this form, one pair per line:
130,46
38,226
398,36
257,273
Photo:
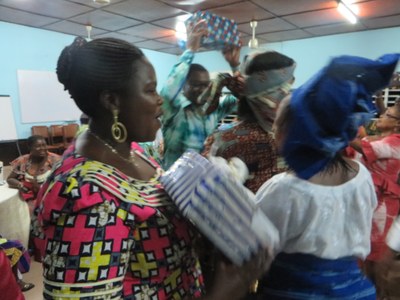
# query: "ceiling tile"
94,4
73,28
148,31
242,12
151,44
335,28
292,7
105,20
171,22
285,35
278,20
378,8
195,5
382,22
24,18
126,37
314,18
53,8
271,25
148,10
172,39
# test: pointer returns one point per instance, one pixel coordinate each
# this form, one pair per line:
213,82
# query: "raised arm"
232,56
178,74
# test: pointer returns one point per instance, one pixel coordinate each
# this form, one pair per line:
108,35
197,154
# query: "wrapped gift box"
222,31
219,206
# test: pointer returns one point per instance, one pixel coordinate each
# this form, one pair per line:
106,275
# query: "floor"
35,273
34,276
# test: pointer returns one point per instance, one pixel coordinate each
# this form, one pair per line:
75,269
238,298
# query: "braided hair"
86,69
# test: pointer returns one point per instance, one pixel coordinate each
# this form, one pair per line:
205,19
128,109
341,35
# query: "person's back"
322,229
269,78
323,206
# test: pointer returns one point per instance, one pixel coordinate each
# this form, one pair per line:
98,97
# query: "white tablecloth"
14,216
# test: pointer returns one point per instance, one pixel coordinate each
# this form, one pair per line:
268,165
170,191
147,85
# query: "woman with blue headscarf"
323,206
381,155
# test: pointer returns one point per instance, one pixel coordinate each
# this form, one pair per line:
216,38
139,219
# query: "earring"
118,130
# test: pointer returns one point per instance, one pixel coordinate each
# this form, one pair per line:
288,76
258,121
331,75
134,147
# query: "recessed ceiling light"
102,1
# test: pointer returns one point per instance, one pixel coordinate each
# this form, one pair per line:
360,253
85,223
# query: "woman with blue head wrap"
323,207
380,153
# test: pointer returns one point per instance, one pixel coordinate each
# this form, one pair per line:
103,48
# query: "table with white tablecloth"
14,216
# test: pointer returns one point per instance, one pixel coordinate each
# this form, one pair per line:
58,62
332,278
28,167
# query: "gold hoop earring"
118,130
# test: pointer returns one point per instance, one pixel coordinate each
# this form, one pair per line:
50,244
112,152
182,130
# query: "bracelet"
235,69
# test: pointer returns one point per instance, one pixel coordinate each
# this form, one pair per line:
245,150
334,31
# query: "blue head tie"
328,109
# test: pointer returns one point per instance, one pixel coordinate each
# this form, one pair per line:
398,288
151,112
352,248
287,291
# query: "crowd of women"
107,229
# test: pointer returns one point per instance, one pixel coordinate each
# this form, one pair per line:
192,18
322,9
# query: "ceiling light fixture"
253,43
102,1
180,28
88,30
346,9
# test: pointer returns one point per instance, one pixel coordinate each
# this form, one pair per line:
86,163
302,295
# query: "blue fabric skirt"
303,276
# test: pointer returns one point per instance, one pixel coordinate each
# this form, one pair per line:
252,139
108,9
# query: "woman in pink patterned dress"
111,231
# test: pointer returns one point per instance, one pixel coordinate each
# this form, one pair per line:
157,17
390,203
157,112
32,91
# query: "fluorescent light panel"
344,7
102,1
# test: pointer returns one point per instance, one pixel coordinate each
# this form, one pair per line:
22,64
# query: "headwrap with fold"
328,109
265,90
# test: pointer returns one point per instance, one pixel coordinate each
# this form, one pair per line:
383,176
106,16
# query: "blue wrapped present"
220,207
222,31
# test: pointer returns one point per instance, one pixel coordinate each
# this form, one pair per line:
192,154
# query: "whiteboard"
8,130
43,99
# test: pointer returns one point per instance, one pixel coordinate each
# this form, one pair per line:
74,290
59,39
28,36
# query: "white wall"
313,53
26,48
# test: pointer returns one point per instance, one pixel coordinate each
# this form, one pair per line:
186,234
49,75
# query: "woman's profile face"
389,120
39,148
140,109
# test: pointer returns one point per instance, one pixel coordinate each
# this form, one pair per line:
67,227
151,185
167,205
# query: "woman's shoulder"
20,160
279,184
53,158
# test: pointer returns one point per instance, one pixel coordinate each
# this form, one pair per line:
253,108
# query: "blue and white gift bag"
220,207
222,31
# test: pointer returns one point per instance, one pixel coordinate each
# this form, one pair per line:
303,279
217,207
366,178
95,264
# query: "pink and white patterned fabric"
111,236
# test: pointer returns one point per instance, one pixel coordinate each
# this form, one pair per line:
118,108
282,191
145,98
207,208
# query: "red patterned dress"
254,146
382,159
109,236
22,167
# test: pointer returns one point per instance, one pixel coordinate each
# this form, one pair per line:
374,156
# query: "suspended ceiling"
150,24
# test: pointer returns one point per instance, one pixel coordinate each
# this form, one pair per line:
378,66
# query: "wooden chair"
57,138
41,130
44,132
69,133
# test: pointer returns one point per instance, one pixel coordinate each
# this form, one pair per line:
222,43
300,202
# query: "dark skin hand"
233,282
